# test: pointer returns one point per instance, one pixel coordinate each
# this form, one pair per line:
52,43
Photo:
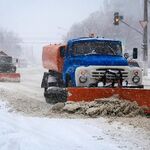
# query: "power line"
132,27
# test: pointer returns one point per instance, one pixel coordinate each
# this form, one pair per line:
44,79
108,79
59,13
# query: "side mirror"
126,55
62,52
135,53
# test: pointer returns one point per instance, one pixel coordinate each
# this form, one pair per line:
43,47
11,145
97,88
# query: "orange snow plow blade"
141,96
9,77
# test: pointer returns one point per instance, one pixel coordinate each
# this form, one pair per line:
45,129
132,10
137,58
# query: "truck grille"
111,73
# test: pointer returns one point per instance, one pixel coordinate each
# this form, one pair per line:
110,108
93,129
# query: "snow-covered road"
30,85
19,132
27,133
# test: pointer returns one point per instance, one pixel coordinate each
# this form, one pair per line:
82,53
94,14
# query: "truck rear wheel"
55,94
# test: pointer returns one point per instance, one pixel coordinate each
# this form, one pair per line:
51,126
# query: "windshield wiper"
112,50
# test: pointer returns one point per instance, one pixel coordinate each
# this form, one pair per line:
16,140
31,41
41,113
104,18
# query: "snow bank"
28,133
22,133
112,106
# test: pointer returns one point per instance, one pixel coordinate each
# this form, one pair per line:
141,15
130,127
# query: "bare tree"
101,23
9,43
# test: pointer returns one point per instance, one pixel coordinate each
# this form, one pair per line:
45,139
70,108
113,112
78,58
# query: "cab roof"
91,39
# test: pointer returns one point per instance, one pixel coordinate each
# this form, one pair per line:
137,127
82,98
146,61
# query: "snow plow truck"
90,68
8,69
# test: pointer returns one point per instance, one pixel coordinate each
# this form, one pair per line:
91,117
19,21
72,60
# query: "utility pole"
144,24
145,38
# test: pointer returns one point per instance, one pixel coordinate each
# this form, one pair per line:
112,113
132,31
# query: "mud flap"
9,77
141,96
44,80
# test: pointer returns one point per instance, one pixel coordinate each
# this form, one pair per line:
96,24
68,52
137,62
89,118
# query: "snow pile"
112,106
29,133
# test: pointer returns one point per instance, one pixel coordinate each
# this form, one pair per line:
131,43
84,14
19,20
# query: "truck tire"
55,95
13,69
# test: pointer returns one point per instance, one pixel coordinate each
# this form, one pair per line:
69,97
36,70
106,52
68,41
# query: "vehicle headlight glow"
83,72
136,73
136,79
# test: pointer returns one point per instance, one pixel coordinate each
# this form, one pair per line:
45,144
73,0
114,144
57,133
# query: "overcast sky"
40,22
44,19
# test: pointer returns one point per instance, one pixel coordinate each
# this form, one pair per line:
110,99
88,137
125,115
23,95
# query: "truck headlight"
83,78
83,72
136,79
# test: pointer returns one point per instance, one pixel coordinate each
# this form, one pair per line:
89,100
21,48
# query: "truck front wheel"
55,94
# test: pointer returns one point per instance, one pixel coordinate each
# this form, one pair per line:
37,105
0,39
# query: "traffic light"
116,18
135,53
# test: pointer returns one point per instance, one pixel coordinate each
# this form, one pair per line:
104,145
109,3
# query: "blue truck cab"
91,61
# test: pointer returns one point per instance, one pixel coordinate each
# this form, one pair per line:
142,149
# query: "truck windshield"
5,60
97,47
